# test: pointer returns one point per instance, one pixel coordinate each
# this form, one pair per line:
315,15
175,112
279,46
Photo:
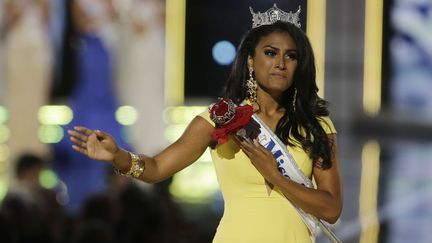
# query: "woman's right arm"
186,150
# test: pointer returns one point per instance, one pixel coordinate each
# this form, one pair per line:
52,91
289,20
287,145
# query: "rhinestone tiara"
275,14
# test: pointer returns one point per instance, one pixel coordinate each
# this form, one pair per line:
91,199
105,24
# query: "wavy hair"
299,126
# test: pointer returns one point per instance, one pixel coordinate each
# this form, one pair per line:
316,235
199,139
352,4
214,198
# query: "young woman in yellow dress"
279,58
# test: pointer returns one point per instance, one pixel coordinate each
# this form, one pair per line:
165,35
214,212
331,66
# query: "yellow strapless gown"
251,214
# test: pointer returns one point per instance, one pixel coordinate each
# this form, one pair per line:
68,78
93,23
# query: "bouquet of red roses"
232,119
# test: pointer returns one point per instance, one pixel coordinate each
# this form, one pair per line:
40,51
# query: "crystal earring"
294,99
251,88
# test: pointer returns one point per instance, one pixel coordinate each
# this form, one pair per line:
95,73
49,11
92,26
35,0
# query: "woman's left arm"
324,202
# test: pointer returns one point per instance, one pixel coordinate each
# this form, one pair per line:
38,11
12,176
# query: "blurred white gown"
27,75
141,74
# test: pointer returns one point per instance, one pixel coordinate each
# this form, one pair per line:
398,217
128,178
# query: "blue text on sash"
277,153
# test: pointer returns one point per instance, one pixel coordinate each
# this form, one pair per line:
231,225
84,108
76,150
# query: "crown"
275,14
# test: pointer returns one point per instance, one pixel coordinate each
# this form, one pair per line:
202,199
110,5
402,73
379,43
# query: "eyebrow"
272,47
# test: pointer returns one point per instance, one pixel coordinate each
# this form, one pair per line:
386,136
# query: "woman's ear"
250,62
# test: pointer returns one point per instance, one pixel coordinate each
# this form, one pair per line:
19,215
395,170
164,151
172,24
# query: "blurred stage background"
142,69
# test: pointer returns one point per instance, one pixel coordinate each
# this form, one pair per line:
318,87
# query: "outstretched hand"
95,144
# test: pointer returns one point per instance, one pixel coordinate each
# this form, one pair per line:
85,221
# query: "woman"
141,72
92,98
28,61
279,58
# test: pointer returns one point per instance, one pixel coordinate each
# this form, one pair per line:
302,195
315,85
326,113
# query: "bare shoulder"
199,128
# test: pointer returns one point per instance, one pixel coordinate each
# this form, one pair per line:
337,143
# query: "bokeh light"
195,184
182,114
224,52
55,115
4,133
4,115
48,179
3,187
126,115
50,133
173,132
4,152
178,118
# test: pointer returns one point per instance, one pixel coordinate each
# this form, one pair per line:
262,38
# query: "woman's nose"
280,63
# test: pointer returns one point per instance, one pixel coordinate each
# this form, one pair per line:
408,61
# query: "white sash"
289,168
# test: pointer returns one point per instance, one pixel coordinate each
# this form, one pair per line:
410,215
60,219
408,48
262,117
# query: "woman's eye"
292,55
270,53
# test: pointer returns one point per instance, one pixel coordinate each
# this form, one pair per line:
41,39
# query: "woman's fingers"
78,135
78,142
247,147
80,149
237,139
260,147
83,130
100,134
254,149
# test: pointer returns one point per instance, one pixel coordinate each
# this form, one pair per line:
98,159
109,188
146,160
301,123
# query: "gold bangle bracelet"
136,169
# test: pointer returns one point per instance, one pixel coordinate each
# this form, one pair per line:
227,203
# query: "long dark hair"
299,125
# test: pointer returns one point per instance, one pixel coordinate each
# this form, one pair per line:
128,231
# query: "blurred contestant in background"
93,99
141,73
28,61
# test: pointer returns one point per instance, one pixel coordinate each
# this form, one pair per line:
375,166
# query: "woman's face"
275,62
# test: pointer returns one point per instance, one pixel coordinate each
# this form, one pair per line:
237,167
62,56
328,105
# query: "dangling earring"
251,88
294,99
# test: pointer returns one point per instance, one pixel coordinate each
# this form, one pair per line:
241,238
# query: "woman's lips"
279,75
